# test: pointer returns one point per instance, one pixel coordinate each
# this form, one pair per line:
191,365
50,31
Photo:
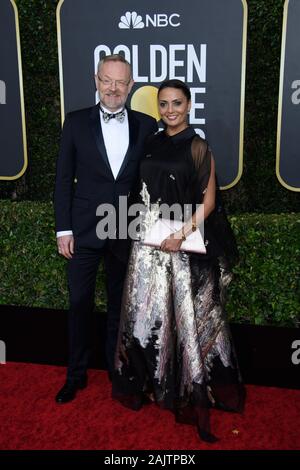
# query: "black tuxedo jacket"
84,179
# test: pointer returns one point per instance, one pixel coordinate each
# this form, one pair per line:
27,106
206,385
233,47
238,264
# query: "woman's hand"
172,243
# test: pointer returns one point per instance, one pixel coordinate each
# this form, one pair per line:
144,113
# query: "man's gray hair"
114,58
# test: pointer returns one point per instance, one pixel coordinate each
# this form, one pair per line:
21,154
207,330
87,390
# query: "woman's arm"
173,242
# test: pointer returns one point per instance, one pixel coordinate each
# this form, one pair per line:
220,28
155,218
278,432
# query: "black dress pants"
82,271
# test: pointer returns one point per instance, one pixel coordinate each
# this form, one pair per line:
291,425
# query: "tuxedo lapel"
98,136
133,125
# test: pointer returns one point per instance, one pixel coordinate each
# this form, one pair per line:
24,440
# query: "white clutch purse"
163,228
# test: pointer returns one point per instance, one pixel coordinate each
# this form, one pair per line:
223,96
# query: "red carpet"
30,419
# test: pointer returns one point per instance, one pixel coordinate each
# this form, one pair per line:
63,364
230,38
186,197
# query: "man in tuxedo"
98,161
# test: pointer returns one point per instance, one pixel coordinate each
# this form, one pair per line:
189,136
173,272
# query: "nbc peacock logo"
131,20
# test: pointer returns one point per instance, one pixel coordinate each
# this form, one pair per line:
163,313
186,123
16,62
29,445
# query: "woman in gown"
174,345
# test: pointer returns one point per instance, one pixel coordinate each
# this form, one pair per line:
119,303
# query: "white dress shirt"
116,141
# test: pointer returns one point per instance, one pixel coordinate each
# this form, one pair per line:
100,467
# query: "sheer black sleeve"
201,156
220,234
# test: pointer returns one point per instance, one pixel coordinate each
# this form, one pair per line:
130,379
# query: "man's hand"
65,245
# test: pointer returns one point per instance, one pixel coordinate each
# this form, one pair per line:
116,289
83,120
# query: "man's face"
113,83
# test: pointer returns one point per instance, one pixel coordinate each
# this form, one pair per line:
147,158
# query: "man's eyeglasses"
118,83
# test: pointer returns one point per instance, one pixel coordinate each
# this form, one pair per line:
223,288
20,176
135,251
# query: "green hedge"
266,287
264,290
31,272
257,191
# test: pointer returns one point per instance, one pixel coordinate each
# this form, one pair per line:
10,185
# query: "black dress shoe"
68,391
207,436
148,398
221,406
110,375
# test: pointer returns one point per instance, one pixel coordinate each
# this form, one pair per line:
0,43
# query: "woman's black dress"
174,343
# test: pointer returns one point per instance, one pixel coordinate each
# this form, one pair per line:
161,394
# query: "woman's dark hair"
174,83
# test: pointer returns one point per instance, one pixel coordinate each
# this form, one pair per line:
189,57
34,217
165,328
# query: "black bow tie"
120,116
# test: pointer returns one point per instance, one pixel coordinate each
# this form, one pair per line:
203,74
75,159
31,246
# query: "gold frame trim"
60,62
242,104
243,80
18,43
280,98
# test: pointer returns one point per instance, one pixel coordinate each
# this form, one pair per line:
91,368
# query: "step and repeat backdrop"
202,43
13,150
288,131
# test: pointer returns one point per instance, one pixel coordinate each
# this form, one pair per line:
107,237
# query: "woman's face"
173,107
